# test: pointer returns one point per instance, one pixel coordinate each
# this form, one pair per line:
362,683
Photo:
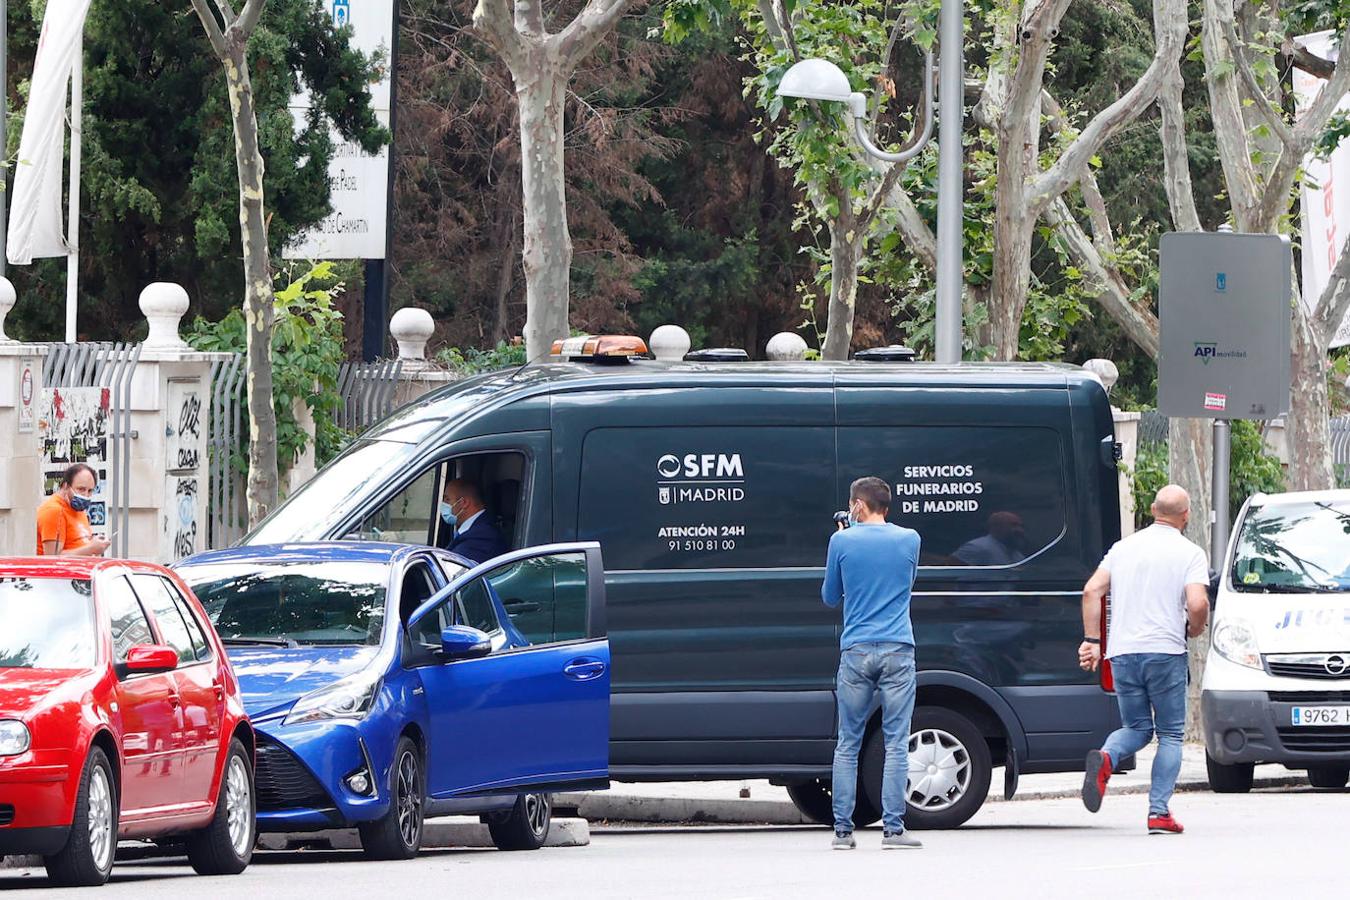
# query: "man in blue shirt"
870,569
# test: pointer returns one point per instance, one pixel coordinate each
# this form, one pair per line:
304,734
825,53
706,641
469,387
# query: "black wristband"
1088,640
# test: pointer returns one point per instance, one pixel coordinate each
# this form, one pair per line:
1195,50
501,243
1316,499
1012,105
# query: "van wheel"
526,826
1328,776
226,845
87,857
1234,779
398,835
949,769
815,800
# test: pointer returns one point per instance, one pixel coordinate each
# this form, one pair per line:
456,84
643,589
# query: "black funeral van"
711,489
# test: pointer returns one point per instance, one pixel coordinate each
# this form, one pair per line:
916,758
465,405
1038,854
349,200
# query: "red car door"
147,707
200,691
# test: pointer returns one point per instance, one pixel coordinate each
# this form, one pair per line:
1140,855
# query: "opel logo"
1335,664
668,466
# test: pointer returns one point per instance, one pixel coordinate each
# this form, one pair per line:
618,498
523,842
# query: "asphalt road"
1287,843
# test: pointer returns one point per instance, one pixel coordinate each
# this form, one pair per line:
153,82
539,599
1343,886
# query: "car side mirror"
1213,588
144,659
463,642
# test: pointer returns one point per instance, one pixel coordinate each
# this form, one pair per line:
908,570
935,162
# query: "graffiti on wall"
73,425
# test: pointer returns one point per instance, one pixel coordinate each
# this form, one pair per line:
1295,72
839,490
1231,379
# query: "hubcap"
409,801
238,806
101,838
939,769
536,812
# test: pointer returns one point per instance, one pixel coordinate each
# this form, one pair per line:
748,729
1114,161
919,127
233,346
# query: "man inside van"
474,537
870,568
1158,584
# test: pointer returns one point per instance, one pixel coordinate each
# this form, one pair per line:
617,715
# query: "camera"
841,518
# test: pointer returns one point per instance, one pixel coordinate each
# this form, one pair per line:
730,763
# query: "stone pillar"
413,328
669,343
1127,435
170,418
20,451
786,346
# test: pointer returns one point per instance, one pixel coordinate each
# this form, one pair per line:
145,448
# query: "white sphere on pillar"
669,342
164,304
412,328
1105,370
7,299
786,346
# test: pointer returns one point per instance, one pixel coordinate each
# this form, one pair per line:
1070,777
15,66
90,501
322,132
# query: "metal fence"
109,366
366,392
1152,427
1340,440
227,511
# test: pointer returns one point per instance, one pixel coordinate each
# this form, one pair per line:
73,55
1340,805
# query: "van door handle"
585,668
515,607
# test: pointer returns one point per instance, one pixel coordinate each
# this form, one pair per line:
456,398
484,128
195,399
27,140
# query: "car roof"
69,566
374,552
1291,497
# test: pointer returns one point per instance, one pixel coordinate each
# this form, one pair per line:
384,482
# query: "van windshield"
309,513
1294,548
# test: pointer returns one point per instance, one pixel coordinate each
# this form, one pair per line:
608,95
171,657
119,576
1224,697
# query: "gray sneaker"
902,841
843,840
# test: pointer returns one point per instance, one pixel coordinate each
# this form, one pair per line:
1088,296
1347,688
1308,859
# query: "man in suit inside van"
470,533
870,568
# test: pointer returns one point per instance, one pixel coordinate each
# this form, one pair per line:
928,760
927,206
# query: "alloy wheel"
238,806
409,799
939,769
102,841
536,812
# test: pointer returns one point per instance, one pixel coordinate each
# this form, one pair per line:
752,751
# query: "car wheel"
949,769
1328,776
1234,779
815,800
398,835
226,845
87,857
526,826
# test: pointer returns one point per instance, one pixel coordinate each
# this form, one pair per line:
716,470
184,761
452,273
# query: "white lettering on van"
721,466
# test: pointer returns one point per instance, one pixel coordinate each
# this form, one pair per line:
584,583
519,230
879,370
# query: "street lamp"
818,79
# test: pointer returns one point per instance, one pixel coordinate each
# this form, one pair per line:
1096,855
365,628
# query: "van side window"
705,498
982,497
407,518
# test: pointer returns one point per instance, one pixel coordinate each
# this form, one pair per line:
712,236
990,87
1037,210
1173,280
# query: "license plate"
1320,715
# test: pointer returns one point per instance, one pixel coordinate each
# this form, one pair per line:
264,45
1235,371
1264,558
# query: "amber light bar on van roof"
603,346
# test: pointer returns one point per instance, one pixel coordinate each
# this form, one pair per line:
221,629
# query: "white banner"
1326,189
359,181
35,228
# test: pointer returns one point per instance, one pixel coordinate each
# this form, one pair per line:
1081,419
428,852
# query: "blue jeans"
865,669
1151,690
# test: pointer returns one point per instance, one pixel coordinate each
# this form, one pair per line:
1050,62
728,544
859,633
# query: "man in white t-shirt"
1158,584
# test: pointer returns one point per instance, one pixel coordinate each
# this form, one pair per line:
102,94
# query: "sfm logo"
1206,352
701,465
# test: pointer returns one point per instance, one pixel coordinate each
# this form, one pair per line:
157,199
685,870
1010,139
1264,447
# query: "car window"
130,627
407,518
475,607
46,623
199,642
545,596
173,628
418,587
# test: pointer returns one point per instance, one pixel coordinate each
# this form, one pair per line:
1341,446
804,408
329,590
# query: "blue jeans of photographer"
864,670
1151,690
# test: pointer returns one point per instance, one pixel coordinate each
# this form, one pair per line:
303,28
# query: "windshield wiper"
289,643
1290,588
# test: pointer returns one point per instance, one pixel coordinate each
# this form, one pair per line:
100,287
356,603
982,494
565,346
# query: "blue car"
387,684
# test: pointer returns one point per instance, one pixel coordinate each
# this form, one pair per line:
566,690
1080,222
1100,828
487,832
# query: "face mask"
78,503
447,513
852,517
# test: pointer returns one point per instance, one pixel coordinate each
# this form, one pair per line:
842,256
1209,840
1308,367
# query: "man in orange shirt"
63,527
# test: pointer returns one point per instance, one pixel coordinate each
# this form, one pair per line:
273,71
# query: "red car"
119,718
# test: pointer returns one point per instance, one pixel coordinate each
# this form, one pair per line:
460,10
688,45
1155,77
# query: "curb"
20,862
600,807
436,834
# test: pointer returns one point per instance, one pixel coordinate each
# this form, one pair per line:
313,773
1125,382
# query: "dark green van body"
711,488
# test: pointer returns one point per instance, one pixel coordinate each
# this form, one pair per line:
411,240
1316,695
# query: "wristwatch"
1088,640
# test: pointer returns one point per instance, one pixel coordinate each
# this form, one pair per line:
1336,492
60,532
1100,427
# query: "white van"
1277,680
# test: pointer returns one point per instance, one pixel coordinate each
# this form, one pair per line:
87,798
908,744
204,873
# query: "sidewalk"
721,802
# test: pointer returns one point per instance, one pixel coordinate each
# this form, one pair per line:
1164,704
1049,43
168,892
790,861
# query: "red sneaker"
1097,772
1164,824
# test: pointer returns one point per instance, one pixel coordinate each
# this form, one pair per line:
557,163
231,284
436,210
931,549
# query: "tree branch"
1243,65
874,204
1230,128
914,231
1334,303
248,19
582,34
771,27
1107,123
212,27
530,18
495,20
1303,58
1321,110
1176,158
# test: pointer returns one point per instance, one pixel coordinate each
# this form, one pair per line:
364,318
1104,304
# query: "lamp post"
818,79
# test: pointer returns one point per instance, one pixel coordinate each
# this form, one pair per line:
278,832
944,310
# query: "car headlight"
1235,641
350,698
14,737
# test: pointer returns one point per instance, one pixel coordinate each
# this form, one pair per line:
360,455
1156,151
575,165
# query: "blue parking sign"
342,12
